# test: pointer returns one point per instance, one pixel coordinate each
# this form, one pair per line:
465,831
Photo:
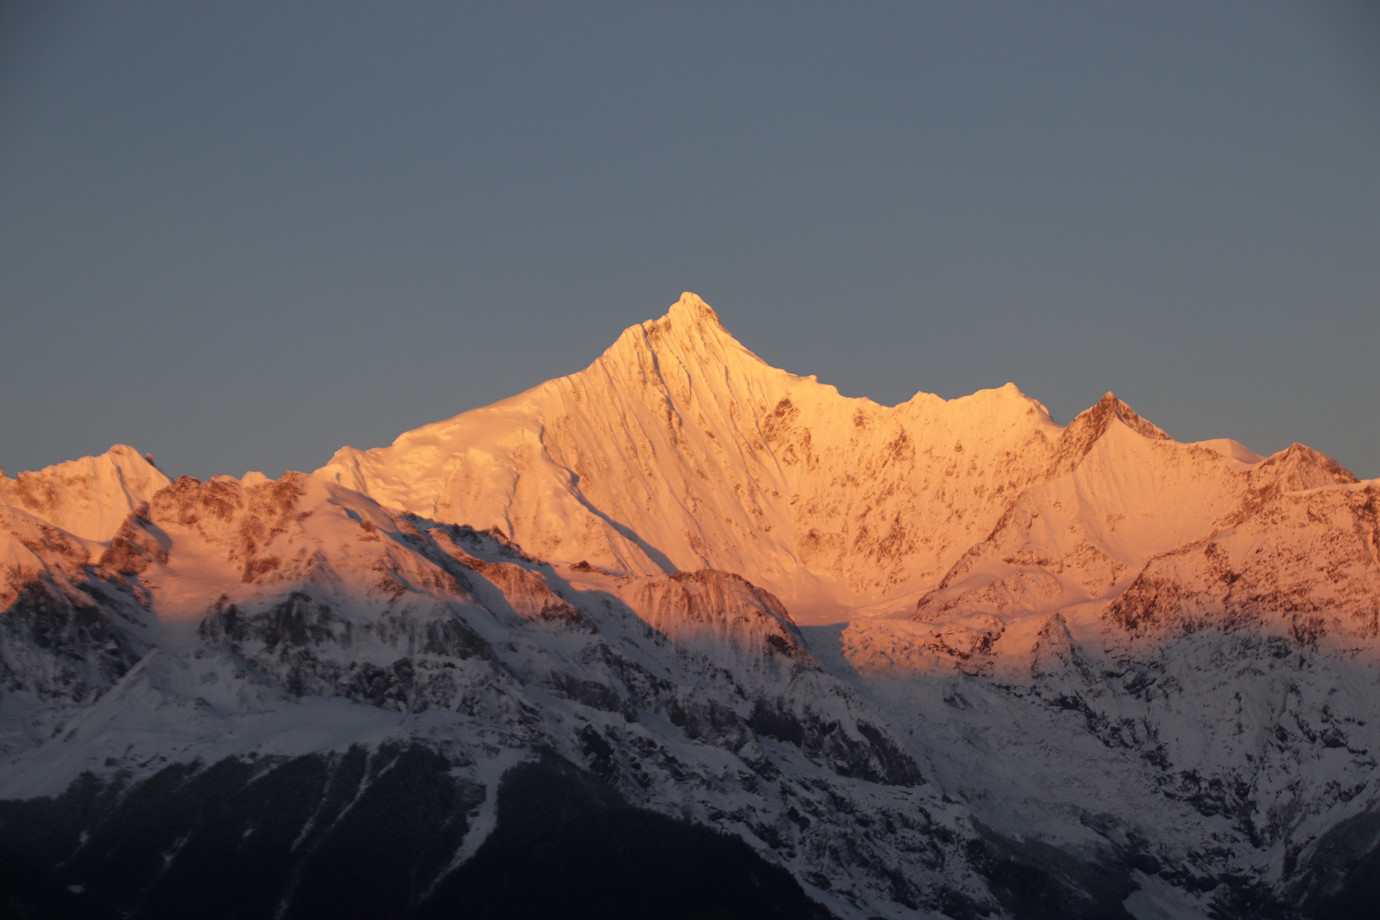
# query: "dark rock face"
309,649
137,544
1342,878
30,892
360,834
59,640
372,833
873,756
1035,881
567,846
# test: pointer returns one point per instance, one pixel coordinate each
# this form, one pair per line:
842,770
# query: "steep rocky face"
30,546
66,640
359,832
1303,565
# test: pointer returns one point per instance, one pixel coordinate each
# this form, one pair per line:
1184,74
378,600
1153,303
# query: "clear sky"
240,235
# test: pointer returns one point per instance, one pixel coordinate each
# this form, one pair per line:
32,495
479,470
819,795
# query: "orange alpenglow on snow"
680,449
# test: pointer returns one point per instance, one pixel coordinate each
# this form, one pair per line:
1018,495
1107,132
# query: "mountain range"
683,634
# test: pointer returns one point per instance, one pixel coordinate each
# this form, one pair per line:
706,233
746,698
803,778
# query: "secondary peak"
1110,407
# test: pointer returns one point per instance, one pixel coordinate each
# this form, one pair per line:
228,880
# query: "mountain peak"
88,497
1091,424
1299,467
692,308
690,329
1109,407
691,314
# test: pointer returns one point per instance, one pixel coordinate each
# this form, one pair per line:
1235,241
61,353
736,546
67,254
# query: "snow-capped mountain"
684,616
680,449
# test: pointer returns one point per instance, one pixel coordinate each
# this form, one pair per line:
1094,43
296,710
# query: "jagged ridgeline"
685,635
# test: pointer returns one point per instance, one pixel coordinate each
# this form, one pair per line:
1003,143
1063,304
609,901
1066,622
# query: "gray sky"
240,235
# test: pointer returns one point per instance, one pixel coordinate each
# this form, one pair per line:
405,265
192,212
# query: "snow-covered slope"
88,498
946,658
1119,493
680,449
